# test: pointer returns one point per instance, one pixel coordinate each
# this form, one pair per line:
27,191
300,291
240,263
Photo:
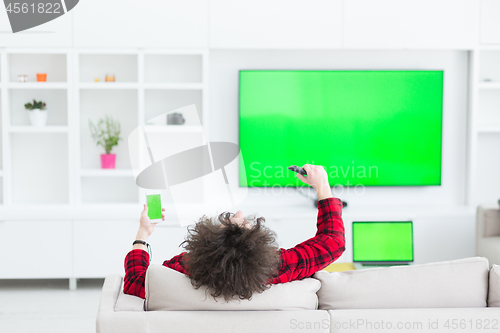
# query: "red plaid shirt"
296,263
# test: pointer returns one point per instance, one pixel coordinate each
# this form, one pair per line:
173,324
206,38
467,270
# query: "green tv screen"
382,241
371,128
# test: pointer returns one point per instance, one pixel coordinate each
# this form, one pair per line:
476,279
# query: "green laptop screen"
371,128
382,241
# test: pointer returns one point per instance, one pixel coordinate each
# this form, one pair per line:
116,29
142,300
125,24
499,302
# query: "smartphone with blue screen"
153,200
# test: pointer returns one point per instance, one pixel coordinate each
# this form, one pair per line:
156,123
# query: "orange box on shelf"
41,77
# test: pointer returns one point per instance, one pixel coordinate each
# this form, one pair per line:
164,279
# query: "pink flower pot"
108,161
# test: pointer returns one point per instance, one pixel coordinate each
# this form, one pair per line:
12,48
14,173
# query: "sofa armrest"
488,222
111,321
109,294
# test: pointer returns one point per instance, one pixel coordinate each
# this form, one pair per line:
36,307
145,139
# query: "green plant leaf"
105,133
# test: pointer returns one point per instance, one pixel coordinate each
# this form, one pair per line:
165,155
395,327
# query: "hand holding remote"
317,178
297,169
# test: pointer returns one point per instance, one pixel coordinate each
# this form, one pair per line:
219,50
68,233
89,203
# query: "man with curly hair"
235,257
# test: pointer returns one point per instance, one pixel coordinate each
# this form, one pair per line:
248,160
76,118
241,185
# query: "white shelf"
106,173
174,86
33,129
488,129
37,85
109,85
489,85
173,129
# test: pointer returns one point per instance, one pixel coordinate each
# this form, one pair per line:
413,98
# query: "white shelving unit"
51,181
483,186
147,83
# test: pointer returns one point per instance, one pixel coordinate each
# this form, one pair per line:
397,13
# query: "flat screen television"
370,128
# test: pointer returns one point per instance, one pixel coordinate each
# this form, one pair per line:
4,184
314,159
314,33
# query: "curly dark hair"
230,259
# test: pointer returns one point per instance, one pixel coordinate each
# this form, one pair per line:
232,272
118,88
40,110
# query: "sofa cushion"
453,284
494,286
167,289
126,302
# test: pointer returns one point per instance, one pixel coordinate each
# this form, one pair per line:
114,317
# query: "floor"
44,306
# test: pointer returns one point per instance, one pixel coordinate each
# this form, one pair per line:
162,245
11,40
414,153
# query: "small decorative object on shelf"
110,78
175,119
37,112
487,80
41,77
107,134
22,78
97,79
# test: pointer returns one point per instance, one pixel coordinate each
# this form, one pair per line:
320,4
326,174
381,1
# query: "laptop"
382,243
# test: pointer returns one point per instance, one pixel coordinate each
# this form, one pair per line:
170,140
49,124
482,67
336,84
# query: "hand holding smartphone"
153,201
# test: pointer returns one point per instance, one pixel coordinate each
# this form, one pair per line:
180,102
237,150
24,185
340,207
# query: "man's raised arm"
137,260
316,253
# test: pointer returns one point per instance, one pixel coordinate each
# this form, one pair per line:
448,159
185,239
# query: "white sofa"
461,295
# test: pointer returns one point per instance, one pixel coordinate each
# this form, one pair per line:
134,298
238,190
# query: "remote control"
298,170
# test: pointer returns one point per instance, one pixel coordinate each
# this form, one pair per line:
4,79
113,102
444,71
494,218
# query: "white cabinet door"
100,247
410,24
275,24
35,249
55,33
490,21
141,23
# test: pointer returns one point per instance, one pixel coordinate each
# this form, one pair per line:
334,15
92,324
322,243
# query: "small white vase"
38,118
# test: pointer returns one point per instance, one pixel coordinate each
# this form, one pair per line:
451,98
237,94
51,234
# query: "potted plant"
37,112
107,134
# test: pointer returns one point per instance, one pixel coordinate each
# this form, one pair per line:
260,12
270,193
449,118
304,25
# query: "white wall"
224,67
